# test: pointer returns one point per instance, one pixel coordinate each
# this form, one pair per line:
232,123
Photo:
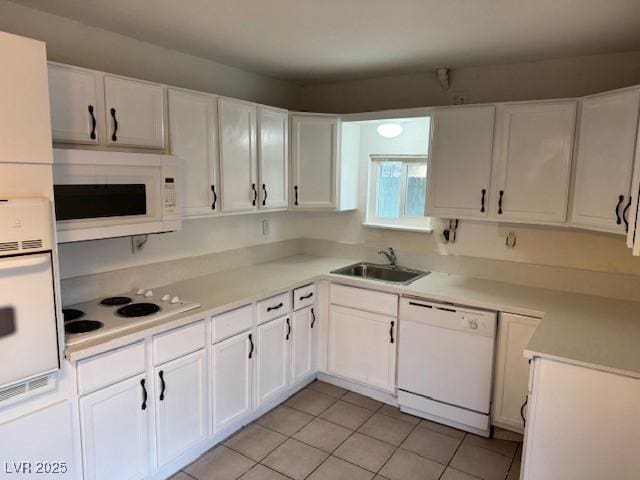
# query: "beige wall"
71,42
569,77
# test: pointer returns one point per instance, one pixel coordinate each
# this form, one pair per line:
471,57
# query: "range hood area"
102,194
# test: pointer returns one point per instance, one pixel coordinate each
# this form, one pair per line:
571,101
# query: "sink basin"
382,273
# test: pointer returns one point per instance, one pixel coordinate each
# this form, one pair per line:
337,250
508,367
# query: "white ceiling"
326,40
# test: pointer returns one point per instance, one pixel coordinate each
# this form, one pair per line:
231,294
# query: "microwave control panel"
170,196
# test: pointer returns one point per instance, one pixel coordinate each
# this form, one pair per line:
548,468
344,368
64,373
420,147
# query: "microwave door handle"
22,262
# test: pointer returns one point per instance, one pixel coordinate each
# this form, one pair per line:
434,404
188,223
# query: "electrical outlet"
265,227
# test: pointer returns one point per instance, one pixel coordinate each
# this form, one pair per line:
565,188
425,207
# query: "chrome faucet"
391,256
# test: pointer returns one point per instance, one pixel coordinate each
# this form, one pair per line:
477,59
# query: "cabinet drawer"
273,307
230,323
179,342
363,299
111,367
304,296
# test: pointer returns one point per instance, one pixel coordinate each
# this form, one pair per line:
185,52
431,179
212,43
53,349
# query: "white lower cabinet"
115,431
302,343
181,405
512,370
232,379
583,424
272,359
362,347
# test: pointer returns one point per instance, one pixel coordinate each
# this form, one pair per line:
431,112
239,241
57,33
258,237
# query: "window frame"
403,222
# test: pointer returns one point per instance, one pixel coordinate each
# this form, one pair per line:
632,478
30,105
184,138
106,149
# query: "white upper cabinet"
134,112
604,163
460,162
25,124
533,162
273,157
238,155
193,133
314,141
76,114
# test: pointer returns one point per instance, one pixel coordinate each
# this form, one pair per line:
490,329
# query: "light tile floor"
327,433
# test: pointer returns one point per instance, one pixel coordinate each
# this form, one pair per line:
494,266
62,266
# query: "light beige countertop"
586,330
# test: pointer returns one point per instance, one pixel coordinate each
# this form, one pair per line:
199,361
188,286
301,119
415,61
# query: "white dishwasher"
445,364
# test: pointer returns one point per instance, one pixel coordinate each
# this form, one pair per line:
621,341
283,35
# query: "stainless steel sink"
382,273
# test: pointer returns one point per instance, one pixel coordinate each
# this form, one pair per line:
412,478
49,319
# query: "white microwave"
102,194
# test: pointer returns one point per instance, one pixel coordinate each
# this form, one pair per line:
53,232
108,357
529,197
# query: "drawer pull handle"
92,135
163,385
288,329
420,305
251,344
114,137
275,307
313,317
144,394
447,309
304,297
391,330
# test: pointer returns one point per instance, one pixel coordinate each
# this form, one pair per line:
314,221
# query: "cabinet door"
362,347
604,161
232,378
238,155
115,429
512,370
313,165
25,123
75,111
583,424
534,162
273,147
272,356
181,405
303,327
193,131
460,162
135,112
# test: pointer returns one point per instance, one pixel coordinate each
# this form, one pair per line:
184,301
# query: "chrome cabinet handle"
114,136
92,135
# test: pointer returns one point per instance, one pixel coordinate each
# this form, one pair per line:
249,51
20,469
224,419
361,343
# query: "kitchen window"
397,192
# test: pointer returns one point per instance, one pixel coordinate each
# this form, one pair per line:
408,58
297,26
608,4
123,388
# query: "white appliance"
114,194
446,363
28,324
108,315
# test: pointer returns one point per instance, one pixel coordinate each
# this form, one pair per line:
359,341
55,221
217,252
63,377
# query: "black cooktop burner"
138,310
115,301
82,326
71,314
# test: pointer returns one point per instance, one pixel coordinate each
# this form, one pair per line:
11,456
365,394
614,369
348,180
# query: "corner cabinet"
460,162
512,370
273,157
314,150
533,164
115,431
193,137
238,155
135,112
607,137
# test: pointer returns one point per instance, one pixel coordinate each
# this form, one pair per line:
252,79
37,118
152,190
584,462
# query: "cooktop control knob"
175,300
140,291
149,293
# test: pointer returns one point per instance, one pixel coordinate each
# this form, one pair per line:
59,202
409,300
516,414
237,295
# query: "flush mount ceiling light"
389,130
